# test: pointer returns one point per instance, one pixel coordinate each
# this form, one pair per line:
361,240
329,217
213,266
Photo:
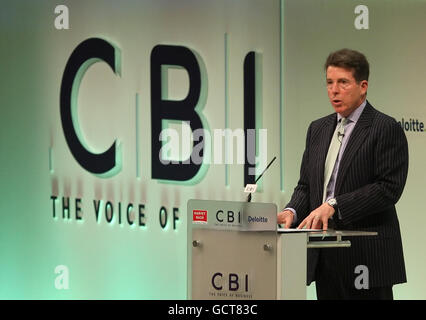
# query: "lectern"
235,251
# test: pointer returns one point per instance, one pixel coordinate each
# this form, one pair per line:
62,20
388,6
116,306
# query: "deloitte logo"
412,125
257,219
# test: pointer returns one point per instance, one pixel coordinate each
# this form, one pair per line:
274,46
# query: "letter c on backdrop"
87,53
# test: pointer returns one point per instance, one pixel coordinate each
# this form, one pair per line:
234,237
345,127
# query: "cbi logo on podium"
231,285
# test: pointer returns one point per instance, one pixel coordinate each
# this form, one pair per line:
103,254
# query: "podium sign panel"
232,252
222,268
232,215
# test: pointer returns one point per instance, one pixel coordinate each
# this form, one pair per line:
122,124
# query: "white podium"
235,251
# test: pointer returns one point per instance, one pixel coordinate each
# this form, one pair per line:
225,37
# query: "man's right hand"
285,218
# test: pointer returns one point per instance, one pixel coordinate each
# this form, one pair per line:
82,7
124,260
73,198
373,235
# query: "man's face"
344,92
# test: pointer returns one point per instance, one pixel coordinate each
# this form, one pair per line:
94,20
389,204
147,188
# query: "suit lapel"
360,132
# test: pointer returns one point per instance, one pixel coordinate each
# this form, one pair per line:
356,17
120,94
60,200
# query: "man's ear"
364,85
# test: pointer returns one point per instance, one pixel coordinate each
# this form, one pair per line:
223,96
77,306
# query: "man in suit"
353,172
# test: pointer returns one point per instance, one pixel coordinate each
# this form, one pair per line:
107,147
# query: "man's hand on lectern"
285,218
318,219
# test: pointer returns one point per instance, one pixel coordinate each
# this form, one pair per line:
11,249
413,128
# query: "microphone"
340,135
260,176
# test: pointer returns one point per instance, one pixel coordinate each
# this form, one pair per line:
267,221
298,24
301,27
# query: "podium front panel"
234,265
232,250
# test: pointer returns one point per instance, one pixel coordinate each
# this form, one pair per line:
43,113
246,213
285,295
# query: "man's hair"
352,60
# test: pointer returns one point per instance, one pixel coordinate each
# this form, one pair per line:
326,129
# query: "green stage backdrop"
67,233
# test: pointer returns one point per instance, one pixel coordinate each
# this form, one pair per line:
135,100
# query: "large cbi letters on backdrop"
109,162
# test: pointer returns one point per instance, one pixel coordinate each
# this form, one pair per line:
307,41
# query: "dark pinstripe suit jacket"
371,178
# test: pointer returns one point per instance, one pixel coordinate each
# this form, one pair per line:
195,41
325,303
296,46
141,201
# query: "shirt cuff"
294,214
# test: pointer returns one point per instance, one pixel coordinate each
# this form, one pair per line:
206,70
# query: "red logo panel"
199,216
